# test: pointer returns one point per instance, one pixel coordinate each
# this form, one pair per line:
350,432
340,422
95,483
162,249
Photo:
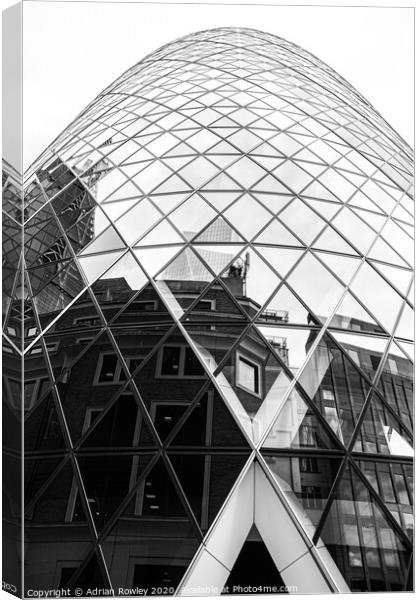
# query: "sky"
73,50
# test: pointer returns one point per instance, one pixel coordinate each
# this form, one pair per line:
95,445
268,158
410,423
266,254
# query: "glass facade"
212,309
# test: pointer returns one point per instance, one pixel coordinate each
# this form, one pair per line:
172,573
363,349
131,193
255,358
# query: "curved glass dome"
222,241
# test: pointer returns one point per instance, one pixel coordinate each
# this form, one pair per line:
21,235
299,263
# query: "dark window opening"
248,375
204,305
117,426
108,368
375,360
171,360
307,435
308,464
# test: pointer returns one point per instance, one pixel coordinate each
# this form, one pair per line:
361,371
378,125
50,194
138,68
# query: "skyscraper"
215,304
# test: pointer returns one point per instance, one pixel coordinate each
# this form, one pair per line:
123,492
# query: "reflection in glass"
368,551
306,482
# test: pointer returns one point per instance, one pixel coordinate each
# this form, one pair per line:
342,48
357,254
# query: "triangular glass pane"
107,240
260,279
326,209
354,229
173,184
167,202
42,426
192,216
284,308
360,200
137,221
120,281
93,266
143,307
114,210
351,315
217,303
291,345
55,284
297,426
369,287
177,162
400,278
217,258
114,186
153,259
177,428
117,426
330,240
248,216
364,350
219,231
381,433
317,190
90,224
303,221
344,267
274,202
335,386
107,480
220,200
187,266
212,344
316,286
383,252
276,233
254,375
58,291
306,481
162,233
222,181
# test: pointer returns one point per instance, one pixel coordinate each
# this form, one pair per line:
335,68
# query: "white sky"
72,50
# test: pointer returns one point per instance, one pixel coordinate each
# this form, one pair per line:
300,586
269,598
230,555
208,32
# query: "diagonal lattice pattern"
213,298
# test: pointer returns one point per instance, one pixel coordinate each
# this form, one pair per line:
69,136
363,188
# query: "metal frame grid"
222,144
